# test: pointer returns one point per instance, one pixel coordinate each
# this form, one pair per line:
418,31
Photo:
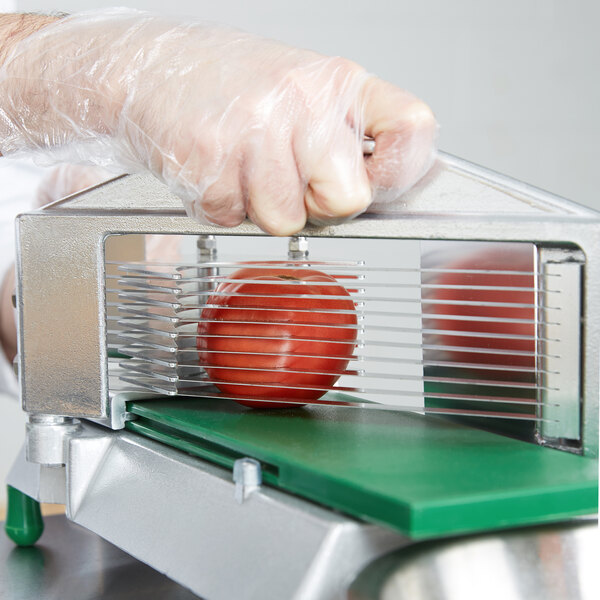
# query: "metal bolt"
207,246
368,146
298,248
207,252
247,476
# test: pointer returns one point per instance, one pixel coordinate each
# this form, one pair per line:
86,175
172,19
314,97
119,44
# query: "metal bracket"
46,438
560,345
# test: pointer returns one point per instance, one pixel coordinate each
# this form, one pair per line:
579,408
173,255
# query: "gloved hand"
233,123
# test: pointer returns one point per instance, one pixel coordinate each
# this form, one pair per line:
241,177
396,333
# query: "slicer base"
180,515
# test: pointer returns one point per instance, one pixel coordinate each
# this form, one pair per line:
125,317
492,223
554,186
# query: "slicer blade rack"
398,362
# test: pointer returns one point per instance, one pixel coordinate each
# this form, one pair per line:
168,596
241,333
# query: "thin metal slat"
311,264
149,384
364,358
142,282
346,389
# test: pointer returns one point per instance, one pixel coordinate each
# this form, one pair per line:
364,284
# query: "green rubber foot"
24,523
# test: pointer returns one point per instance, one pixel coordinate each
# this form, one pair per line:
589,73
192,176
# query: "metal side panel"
180,515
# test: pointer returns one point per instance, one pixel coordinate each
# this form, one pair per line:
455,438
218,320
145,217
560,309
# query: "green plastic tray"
423,475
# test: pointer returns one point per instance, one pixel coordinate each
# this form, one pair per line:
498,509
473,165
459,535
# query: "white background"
514,84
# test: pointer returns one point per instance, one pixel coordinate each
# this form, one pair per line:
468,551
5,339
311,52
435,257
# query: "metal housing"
61,268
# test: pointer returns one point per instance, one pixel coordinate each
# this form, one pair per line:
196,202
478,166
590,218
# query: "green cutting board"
423,475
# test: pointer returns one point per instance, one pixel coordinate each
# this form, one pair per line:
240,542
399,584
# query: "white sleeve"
19,180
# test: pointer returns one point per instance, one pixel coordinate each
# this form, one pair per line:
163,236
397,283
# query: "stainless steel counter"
70,563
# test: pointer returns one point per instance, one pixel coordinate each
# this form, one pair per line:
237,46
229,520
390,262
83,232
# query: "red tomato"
308,340
515,259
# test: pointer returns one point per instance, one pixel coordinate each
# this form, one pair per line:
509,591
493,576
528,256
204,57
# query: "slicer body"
245,508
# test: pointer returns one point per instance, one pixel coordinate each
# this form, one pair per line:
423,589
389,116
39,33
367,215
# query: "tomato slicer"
460,438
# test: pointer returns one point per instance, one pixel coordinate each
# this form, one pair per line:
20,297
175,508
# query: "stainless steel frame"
61,270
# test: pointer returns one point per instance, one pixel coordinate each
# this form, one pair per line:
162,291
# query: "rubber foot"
24,523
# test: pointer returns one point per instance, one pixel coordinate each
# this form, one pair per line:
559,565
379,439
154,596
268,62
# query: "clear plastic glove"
68,179
236,125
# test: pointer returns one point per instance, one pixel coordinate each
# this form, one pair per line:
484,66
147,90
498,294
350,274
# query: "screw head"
298,245
206,242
